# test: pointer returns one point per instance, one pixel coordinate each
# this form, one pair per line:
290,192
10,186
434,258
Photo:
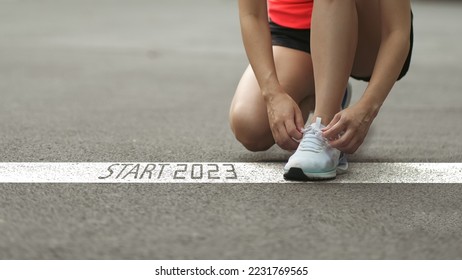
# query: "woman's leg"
248,116
345,38
369,37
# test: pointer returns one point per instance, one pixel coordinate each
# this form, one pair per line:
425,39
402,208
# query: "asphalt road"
151,81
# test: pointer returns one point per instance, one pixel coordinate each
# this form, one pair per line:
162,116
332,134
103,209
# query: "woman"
295,46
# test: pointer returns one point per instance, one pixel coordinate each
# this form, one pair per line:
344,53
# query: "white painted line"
211,172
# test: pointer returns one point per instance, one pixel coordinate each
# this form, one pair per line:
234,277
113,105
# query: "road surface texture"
151,81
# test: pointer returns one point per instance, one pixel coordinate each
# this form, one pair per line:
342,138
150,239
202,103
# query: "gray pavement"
149,81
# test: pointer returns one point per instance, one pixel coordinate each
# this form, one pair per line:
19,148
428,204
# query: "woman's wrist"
370,105
271,89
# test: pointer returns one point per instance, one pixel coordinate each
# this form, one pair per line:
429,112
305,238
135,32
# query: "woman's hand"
348,129
285,119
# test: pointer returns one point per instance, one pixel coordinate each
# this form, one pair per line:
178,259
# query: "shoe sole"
297,174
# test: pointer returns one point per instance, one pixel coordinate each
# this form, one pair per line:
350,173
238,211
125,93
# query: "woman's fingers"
299,122
351,147
347,130
350,141
286,121
342,141
292,130
334,130
284,140
333,122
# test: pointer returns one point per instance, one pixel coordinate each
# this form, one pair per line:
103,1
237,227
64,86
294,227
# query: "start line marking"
218,172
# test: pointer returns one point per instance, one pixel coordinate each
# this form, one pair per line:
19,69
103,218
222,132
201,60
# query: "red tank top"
291,13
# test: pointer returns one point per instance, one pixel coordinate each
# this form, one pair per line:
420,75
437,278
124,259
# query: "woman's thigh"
369,37
248,115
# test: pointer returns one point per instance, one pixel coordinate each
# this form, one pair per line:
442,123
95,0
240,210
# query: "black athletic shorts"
299,39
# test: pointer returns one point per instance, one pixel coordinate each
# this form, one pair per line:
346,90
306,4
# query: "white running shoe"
314,158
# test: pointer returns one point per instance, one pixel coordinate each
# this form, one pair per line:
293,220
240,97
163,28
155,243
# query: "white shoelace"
313,140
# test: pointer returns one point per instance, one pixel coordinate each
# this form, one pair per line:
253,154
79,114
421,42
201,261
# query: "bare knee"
252,137
254,144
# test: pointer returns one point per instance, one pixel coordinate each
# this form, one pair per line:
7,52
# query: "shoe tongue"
312,140
318,125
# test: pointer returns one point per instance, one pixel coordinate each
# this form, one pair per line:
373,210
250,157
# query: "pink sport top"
291,13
